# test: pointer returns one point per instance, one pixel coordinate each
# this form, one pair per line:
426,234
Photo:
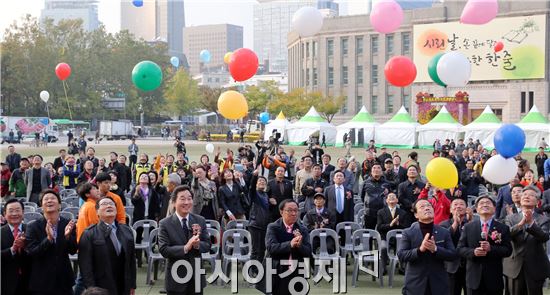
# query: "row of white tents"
402,131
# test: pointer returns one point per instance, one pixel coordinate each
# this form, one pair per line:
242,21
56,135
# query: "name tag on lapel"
439,242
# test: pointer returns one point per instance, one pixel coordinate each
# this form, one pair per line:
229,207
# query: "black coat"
274,191
97,258
486,270
58,162
138,201
330,196
231,199
328,170
13,161
384,219
312,220
452,266
15,268
51,270
259,213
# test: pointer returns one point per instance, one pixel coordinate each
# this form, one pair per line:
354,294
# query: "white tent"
311,124
280,124
442,126
399,131
483,128
536,127
363,123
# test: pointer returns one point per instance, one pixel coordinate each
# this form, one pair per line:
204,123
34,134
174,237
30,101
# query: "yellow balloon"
232,105
442,173
227,57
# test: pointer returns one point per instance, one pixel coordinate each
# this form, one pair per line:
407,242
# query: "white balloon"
307,21
499,170
210,148
44,95
454,69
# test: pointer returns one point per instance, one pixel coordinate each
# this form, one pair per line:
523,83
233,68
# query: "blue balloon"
509,140
175,61
205,56
137,3
264,117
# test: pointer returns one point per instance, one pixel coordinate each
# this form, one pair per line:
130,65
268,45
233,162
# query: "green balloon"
432,69
147,75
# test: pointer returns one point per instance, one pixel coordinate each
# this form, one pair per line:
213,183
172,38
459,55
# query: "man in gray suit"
36,179
528,266
425,247
183,236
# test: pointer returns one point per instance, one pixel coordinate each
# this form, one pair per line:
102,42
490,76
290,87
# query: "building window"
406,43
330,47
406,101
307,76
345,75
359,75
531,99
359,45
389,104
307,49
330,76
345,105
314,48
344,46
374,73
374,104
523,100
374,45
314,76
389,45
358,103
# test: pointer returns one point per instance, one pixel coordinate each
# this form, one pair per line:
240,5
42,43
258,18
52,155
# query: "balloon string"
67,98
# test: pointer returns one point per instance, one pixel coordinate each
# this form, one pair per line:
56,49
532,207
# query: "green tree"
294,104
328,105
259,96
182,94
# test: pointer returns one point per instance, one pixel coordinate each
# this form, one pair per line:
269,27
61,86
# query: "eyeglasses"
291,210
106,204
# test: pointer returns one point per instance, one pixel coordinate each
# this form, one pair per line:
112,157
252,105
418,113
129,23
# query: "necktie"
185,228
484,230
282,188
114,239
289,230
339,201
15,232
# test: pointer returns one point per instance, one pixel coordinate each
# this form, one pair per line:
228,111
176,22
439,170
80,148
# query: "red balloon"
499,46
400,71
62,71
243,64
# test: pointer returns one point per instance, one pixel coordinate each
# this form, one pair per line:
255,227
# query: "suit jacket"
230,199
312,220
51,270
347,214
13,161
384,219
95,251
45,180
490,266
452,266
58,162
273,191
504,196
138,201
12,264
426,269
528,253
328,170
277,242
171,241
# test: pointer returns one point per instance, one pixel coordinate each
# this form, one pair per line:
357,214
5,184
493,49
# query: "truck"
28,127
114,130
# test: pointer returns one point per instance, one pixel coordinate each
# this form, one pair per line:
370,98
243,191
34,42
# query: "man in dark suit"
319,216
398,169
311,187
15,262
424,247
484,243
339,199
326,167
409,190
106,255
389,218
278,190
286,240
183,236
528,266
13,159
456,269
49,241
375,189
515,206
504,195
37,178
59,161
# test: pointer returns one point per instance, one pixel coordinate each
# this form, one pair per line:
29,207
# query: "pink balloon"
386,16
479,12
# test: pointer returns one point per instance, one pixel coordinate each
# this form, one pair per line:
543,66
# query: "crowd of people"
467,238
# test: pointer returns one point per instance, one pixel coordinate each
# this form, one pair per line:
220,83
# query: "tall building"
217,39
328,8
272,23
357,7
156,20
347,57
72,9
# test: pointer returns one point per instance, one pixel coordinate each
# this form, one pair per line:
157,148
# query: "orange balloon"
232,105
227,57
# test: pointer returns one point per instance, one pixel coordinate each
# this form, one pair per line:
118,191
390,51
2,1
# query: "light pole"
141,117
